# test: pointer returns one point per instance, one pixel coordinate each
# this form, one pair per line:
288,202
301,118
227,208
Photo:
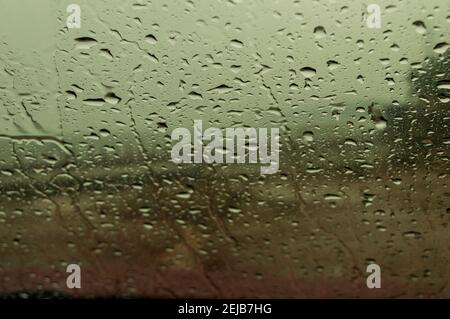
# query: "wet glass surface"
86,175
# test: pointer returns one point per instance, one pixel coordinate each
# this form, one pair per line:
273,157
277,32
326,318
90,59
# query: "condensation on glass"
85,135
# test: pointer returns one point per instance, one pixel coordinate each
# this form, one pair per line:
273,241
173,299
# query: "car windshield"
224,149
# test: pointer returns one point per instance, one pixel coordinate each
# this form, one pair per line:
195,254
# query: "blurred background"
85,173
